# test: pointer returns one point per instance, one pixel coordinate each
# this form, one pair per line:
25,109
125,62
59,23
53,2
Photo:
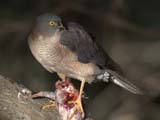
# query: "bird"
72,52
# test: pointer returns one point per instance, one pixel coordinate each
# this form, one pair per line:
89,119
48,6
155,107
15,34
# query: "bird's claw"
49,105
77,106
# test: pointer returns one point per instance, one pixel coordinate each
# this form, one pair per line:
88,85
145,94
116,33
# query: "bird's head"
47,24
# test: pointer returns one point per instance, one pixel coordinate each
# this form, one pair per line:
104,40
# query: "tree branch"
11,108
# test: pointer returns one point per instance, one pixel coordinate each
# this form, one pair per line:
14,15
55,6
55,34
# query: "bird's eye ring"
51,23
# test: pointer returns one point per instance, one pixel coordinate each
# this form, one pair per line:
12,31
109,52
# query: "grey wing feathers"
86,48
80,42
122,82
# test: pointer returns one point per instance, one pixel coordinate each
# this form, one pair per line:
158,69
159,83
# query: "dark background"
129,31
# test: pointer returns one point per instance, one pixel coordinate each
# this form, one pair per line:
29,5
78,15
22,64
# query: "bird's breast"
45,50
55,57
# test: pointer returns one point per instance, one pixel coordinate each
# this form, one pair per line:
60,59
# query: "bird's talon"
49,105
78,104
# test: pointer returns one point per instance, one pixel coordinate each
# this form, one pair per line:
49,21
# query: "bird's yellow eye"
51,23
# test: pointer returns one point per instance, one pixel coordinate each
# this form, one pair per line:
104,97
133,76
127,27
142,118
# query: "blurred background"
129,30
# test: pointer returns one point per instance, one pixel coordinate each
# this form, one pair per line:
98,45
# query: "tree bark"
12,108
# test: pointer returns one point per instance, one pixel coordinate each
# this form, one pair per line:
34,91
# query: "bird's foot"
49,105
77,106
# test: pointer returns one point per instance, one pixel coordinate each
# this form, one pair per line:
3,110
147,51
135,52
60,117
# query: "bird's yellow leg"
79,99
49,105
78,102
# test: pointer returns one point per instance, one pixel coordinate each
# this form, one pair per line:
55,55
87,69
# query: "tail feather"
121,81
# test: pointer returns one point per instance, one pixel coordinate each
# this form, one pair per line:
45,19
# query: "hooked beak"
61,28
